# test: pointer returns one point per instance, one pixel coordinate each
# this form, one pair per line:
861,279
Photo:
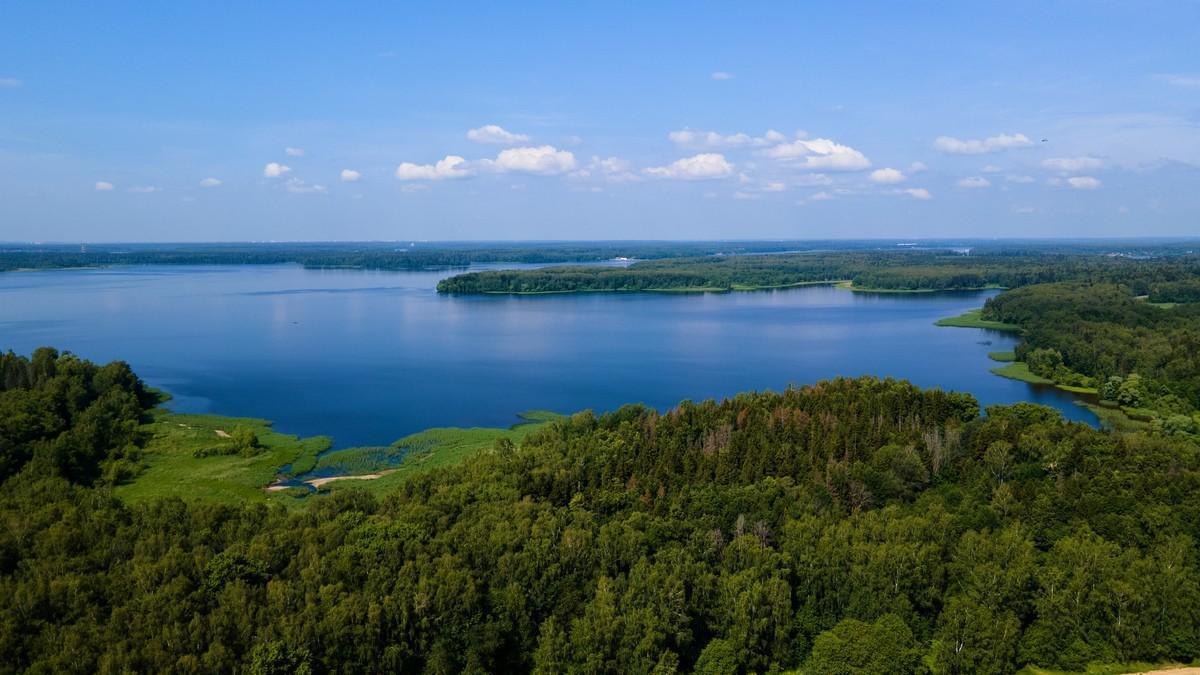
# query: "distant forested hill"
867,270
848,526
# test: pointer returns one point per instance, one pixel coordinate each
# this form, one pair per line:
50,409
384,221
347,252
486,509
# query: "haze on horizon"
134,122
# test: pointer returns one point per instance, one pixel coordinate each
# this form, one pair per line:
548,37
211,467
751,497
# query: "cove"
368,357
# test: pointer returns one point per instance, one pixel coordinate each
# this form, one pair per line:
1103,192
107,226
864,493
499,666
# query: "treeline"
1102,335
377,256
850,526
70,415
902,270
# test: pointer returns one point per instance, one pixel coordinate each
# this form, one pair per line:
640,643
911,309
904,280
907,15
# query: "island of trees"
862,270
854,525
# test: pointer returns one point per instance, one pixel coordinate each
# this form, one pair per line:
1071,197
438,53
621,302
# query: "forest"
1136,353
380,256
853,525
865,270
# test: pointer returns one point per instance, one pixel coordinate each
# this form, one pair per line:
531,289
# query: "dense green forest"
848,526
383,256
1140,355
895,270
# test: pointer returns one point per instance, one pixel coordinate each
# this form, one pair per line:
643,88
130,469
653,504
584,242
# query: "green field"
172,469
1018,370
972,319
1003,357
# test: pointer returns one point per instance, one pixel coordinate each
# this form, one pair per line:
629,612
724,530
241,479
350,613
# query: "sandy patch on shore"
316,483
222,433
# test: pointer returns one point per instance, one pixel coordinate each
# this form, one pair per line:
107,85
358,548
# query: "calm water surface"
368,357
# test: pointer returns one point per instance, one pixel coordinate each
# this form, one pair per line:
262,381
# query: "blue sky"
305,121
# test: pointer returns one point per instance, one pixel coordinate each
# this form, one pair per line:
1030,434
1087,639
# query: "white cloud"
294,152
1072,164
300,187
103,185
820,153
452,166
721,75
350,175
917,193
144,189
275,170
974,182
492,133
1083,182
9,83
887,176
712,139
612,169
704,166
917,167
1177,80
774,187
544,160
954,146
210,182
1019,179
821,196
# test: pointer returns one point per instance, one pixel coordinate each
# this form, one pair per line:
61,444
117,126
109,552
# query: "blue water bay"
369,357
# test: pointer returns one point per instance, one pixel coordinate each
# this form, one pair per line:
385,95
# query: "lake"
368,357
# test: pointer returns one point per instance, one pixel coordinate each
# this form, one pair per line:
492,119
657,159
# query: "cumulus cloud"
210,182
103,185
294,152
612,169
917,193
144,189
1083,182
721,75
275,170
974,182
704,166
955,146
451,166
9,83
350,175
298,186
819,153
1072,164
492,133
887,176
543,160
713,139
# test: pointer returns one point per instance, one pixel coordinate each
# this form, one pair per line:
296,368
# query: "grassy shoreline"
972,318
175,463
849,285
